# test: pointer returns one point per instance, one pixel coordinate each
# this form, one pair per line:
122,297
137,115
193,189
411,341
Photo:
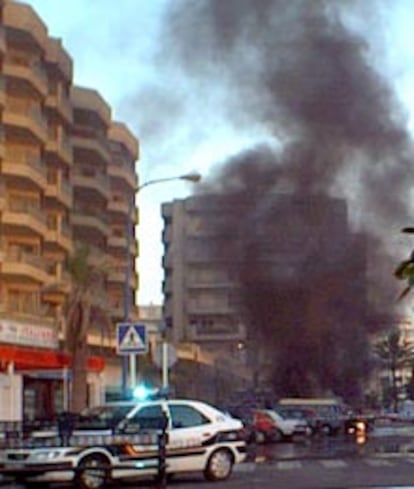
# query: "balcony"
24,266
3,45
57,55
2,92
23,18
59,235
217,330
60,104
3,199
89,140
167,211
167,234
92,180
59,146
90,100
124,172
119,133
25,216
25,165
167,260
61,191
120,242
23,114
218,282
2,142
167,285
93,221
35,315
117,274
215,307
118,206
25,69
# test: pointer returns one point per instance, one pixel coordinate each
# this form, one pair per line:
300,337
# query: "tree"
395,353
405,272
87,302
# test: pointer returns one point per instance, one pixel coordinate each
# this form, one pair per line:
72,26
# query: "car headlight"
46,455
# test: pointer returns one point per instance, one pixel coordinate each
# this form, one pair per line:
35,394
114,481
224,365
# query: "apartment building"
300,235
67,176
201,306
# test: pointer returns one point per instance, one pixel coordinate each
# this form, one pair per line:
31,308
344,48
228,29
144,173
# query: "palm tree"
86,303
395,353
405,272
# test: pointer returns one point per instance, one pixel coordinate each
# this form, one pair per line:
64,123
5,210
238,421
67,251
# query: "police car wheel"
219,466
92,472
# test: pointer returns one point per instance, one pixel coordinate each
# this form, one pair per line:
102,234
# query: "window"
147,418
186,416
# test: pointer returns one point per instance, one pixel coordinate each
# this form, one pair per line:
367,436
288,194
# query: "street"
385,459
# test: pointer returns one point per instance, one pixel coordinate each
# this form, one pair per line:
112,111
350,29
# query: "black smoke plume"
337,151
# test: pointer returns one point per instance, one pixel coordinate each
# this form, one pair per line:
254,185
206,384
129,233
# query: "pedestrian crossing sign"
131,338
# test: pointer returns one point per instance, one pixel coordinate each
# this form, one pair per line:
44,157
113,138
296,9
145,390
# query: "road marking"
333,464
378,462
289,465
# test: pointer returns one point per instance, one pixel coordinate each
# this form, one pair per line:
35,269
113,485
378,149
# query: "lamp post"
129,361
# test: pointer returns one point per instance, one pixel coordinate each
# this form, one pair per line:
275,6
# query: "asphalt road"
384,459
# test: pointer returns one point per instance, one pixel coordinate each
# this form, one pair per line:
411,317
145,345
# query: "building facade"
67,176
200,309
205,279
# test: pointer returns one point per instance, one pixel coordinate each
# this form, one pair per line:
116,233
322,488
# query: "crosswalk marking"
378,462
333,464
289,465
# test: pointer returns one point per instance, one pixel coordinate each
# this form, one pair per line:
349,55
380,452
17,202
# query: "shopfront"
35,380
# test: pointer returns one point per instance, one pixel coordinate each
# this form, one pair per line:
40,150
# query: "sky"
119,49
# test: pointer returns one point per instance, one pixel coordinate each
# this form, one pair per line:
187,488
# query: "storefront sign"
27,334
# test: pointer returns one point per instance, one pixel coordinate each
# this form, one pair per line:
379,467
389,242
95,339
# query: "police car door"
189,428
145,421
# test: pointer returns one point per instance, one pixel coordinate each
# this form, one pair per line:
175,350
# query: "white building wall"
11,392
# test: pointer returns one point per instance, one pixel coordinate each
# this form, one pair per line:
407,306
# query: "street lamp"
129,361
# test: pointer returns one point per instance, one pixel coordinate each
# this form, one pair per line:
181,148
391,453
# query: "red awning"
37,359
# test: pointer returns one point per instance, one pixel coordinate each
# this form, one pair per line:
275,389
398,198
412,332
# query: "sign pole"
132,371
164,364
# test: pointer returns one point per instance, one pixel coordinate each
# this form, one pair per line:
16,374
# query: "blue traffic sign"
131,338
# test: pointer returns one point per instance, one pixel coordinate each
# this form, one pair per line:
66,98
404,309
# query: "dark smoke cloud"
300,71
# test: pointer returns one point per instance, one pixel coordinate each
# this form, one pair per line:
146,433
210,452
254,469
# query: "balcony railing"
27,207
24,157
26,108
20,256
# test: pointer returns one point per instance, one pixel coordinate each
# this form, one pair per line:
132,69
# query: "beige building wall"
67,175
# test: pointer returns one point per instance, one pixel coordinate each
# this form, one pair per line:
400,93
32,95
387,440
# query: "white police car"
119,441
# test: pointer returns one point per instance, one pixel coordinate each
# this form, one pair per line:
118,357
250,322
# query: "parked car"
245,415
272,427
329,411
309,415
119,441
